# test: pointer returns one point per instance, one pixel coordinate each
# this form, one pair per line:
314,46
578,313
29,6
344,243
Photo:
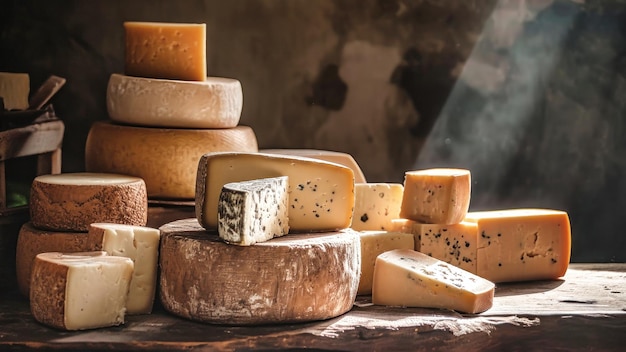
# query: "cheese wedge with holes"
72,201
79,291
344,159
32,241
321,194
408,278
14,90
376,205
215,102
253,211
436,196
522,244
293,278
141,245
166,159
166,50
456,244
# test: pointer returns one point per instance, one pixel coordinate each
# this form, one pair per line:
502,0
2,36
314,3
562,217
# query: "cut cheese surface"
166,159
376,205
253,211
166,50
409,278
294,278
80,290
321,194
344,159
141,245
14,90
72,201
374,243
212,103
522,244
32,241
455,244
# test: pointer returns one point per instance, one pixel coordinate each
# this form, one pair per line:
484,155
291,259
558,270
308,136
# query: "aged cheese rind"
294,278
32,241
253,211
522,244
215,102
72,201
14,89
166,159
376,205
141,245
166,50
373,244
408,278
436,196
344,159
321,194
80,290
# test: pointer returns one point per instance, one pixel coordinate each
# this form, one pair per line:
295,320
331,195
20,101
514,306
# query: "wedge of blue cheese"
253,211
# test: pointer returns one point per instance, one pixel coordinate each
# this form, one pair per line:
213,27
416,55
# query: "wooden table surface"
586,310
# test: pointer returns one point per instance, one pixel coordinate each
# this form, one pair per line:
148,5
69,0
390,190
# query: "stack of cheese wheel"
165,112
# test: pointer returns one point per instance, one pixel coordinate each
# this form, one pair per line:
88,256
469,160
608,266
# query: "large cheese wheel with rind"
294,278
165,158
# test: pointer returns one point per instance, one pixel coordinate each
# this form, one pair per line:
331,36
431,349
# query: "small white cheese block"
141,245
32,241
344,159
72,201
455,244
408,278
165,158
522,244
436,196
253,211
376,205
213,103
14,90
374,243
79,291
321,194
305,277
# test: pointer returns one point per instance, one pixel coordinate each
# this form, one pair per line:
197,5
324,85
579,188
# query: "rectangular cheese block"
374,243
174,51
376,205
321,194
408,278
141,245
522,244
14,90
253,211
454,244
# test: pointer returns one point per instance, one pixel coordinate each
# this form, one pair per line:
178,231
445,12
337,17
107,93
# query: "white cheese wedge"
253,211
376,205
141,245
165,158
215,102
80,290
299,278
408,278
344,159
14,90
72,201
321,194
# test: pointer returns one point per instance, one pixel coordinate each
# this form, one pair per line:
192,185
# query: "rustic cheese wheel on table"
294,278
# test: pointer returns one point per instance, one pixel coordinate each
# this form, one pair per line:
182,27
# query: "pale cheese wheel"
166,159
73,201
294,278
32,241
213,103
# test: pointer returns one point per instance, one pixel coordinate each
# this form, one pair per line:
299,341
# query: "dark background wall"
529,95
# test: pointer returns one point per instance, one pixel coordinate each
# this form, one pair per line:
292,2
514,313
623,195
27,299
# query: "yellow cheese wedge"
376,205
455,244
321,194
166,50
79,291
213,103
32,241
14,90
293,278
141,245
408,278
72,201
344,159
522,244
436,196
166,159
